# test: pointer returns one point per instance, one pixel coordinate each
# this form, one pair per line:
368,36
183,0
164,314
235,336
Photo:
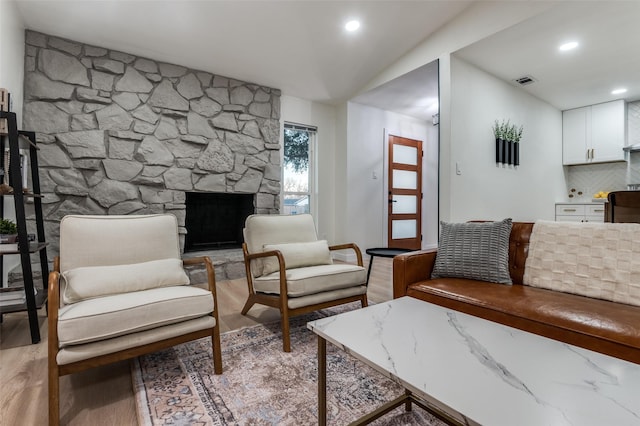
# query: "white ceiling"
415,94
300,47
608,55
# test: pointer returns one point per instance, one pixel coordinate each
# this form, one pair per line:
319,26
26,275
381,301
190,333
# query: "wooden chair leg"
364,301
248,304
217,350
54,396
286,336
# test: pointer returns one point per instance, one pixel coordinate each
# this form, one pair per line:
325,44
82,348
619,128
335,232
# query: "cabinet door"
576,210
570,212
595,213
608,131
569,218
594,219
575,135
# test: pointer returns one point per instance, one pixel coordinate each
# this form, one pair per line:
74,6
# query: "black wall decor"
507,142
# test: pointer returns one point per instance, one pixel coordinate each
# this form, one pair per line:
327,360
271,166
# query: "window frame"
312,192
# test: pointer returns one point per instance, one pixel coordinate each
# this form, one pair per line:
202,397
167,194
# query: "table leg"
322,381
369,270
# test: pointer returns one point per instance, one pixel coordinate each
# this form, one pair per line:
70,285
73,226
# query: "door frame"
385,173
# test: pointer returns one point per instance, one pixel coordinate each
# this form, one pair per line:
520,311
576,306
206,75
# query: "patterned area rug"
261,384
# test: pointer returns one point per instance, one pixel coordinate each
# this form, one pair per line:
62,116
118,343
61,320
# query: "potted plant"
499,133
516,146
508,146
8,231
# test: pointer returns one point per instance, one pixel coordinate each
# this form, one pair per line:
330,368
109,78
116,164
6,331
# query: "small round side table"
383,252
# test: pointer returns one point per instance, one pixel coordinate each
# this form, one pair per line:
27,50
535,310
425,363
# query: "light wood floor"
104,395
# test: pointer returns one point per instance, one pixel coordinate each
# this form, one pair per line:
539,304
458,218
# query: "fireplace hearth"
214,221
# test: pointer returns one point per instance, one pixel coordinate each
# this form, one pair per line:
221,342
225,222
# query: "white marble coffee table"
481,372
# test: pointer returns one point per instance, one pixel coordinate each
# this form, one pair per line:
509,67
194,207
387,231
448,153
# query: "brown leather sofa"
599,325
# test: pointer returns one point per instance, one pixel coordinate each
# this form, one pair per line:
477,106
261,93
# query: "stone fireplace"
121,134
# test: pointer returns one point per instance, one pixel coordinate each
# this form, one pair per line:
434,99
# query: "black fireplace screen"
214,221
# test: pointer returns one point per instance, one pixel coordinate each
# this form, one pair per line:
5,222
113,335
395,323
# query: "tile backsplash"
591,178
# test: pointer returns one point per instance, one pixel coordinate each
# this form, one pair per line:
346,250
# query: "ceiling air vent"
523,81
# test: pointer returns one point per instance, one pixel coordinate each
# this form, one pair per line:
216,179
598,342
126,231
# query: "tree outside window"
297,182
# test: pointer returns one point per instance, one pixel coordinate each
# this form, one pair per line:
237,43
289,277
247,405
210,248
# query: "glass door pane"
405,179
405,155
404,204
403,229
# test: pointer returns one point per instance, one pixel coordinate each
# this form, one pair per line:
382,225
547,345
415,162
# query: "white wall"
12,79
484,190
340,191
366,199
475,23
12,54
322,116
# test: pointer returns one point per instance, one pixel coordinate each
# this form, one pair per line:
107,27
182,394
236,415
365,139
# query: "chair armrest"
410,268
349,246
269,253
53,305
193,261
211,275
283,277
211,279
277,253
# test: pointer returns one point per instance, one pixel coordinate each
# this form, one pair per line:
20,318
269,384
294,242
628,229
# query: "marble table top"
487,373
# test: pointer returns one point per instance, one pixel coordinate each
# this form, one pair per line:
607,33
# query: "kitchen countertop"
604,200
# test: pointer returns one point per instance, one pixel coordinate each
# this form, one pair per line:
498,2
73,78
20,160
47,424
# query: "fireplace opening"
214,221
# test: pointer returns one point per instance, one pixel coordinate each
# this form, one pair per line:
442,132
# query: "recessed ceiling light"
568,46
618,91
352,25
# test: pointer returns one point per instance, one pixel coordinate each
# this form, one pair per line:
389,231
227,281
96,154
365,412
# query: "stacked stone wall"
121,134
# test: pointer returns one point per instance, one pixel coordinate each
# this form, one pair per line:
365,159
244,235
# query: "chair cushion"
110,316
76,353
327,296
99,240
98,281
313,279
261,229
297,255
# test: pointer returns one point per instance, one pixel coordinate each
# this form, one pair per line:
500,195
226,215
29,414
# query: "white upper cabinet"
608,131
594,134
575,137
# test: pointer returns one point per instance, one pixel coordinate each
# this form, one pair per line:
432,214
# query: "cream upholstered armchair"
118,290
290,269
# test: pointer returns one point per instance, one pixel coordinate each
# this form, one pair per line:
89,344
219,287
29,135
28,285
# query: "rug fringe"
144,419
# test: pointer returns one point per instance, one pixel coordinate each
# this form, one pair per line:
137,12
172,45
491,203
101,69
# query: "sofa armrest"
412,267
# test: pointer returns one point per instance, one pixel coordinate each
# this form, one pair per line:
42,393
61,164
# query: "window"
297,179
